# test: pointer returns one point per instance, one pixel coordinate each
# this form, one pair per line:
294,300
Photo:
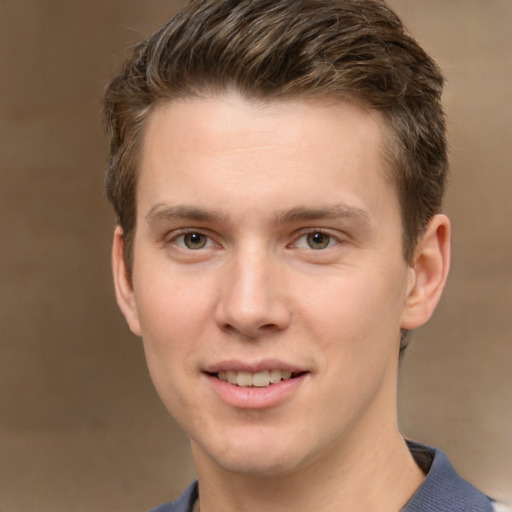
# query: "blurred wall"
81,428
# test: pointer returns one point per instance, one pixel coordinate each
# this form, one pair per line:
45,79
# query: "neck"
379,476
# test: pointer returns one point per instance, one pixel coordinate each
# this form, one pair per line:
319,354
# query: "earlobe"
123,284
429,271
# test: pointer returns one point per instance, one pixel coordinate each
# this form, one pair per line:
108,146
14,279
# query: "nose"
252,296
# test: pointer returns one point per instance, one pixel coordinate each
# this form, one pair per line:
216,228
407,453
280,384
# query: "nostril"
249,331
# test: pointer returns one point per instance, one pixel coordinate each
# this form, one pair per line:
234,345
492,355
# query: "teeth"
244,379
275,376
258,379
261,379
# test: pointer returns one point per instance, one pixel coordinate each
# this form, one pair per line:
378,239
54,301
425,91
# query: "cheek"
171,306
357,314
174,314
172,324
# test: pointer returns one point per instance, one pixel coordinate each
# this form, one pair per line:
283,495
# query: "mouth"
260,379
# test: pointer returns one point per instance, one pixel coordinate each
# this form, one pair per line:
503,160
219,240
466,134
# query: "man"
277,168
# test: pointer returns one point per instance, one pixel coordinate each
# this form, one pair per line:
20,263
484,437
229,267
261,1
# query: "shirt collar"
443,490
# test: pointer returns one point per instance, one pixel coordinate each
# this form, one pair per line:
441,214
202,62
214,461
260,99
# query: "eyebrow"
335,211
163,212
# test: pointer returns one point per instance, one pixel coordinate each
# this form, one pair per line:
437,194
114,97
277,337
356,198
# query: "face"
268,280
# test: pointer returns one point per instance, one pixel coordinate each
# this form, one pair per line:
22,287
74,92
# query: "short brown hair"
356,50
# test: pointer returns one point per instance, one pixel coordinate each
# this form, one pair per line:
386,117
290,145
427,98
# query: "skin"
247,186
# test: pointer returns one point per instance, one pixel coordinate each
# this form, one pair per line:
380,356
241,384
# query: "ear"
428,273
123,285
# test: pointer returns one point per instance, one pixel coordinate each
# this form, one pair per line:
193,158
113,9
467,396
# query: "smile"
259,379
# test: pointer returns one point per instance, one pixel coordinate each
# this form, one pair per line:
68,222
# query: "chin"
268,466
262,458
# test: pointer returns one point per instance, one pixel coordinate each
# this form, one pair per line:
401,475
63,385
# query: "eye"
316,240
193,241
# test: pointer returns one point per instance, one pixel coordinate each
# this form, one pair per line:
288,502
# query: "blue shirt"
443,490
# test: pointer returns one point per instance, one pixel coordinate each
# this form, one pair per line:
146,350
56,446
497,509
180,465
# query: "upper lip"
253,367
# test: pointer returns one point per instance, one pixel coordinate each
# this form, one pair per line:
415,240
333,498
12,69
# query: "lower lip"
254,397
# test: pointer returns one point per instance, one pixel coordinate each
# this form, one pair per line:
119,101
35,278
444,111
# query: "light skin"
269,238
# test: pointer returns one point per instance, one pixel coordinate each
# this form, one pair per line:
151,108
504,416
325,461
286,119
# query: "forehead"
219,120
286,152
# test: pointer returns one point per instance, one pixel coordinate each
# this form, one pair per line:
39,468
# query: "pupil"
318,240
195,241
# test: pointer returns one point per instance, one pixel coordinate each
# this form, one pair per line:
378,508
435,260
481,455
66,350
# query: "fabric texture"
443,490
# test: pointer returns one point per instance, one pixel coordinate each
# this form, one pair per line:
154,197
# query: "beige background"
81,428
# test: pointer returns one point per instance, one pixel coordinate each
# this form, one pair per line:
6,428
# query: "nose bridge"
252,299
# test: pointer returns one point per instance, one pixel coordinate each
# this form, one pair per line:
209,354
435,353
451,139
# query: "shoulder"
185,503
